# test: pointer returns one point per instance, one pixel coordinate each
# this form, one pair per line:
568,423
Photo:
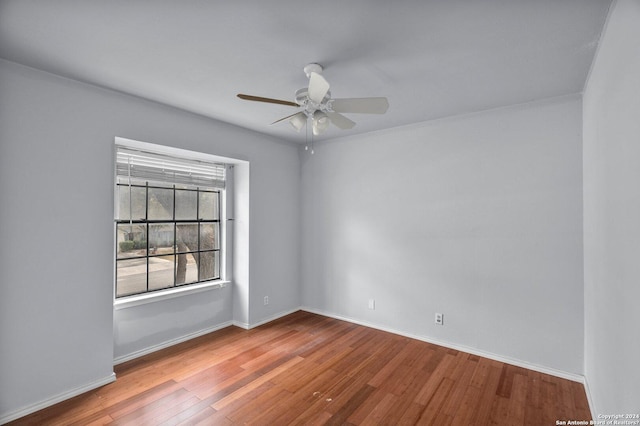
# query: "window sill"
143,299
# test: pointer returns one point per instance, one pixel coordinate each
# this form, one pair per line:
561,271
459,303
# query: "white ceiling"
430,58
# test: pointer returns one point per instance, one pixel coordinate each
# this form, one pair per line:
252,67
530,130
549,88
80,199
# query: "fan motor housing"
308,69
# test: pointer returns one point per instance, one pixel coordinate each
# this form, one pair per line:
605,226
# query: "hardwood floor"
309,370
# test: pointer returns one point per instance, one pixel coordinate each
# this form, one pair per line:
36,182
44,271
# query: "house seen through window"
168,221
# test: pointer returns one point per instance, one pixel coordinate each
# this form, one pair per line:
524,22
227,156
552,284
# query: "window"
168,221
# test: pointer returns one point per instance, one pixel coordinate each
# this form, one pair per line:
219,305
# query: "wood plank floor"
309,370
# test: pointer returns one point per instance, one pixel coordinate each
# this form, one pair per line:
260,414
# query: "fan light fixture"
320,122
298,121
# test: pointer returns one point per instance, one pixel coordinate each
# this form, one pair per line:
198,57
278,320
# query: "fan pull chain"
306,133
306,137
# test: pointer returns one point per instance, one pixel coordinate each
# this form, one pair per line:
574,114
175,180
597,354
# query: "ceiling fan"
319,107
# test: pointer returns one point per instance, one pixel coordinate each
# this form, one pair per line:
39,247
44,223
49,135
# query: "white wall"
477,217
56,232
612,215
141,329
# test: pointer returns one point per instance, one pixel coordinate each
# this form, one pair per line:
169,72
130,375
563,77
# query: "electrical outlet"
266,300
372,303
439,319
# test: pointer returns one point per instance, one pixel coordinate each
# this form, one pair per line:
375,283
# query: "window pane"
209,265
161,238
132,276
208,205
209,236
161,272
186,205
132,240
187,237
131,207
160,204
186,268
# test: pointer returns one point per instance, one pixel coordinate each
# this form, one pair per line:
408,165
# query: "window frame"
219,221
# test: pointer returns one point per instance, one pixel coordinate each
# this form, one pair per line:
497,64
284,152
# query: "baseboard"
167,343
6,418
592,407
273,317
518,363
244,325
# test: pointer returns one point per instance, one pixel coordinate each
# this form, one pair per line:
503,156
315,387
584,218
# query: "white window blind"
140,165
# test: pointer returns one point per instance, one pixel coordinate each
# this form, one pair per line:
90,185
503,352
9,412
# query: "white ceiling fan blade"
318,87
340,121
361,105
